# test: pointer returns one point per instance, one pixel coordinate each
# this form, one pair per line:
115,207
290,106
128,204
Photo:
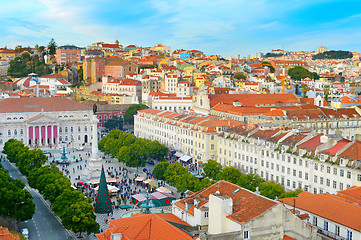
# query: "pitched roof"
154,226
6,235
46,104
312,143
339,145
246,204
330,207
353,151
351,194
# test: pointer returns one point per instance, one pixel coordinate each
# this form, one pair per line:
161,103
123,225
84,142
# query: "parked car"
25,232
80,148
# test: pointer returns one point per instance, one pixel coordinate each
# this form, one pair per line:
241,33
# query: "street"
43,225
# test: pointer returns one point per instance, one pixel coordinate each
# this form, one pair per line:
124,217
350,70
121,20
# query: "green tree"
188,182
52,47
157,151
250,181
326,92
290,194
269,65
240,76
65,200
12,191
333,55
80,74
11,149
231,174
55,189
30,159
114,123
174,172
79,217
131,111
271,189
213,169
160,169
304,89
299,73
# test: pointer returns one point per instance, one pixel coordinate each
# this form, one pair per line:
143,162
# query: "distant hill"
333,55
273,55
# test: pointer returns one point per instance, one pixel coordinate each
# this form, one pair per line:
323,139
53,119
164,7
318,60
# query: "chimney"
220,206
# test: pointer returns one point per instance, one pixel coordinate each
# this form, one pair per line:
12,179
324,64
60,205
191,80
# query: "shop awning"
140,179
185,158
179,154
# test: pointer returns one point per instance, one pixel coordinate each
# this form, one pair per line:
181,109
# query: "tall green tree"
304,89
290,194
231,174
131,111
174,172
326,92
114,123
55,189
188,182
52,47
160,169
299,73
12,192
240,76
271,189
213,169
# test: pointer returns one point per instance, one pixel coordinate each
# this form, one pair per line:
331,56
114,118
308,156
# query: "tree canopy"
212,169
52,47
25,64
160,169
333,55
299,73
12,192
73,208
131,150
269,65
131,111
114,123
240,76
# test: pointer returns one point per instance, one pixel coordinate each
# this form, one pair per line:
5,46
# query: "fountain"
145,207
63,157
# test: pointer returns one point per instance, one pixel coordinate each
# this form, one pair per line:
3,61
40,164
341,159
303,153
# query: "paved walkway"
75,170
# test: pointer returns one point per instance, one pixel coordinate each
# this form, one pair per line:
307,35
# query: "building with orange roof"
6,235
154,226
45,120
192,135
333,216
229,211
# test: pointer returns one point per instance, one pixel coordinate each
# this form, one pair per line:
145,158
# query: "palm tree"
304,89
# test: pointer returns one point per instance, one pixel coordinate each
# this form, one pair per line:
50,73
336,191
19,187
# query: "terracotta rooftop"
330,207
46,104
6,235
246,204
351,194
353,151
312,143
154,226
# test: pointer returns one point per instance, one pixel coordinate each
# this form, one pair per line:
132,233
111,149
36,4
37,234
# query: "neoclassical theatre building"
45,121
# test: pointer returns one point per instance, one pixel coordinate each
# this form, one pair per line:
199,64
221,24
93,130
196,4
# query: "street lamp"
15,214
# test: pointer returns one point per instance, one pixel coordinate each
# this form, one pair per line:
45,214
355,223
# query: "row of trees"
73,208
178,176
131,150
299,73
12,193
26,64
333,55
131,111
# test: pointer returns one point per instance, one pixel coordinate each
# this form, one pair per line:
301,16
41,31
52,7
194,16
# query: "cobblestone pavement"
76,169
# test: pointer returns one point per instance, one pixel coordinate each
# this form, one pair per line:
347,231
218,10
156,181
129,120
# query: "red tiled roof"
312,144
246,204
353,151
6,235
46,104
339,145
330,207
351,194
54,75
154,226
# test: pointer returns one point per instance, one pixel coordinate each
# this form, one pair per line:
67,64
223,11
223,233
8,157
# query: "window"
245,234
341,173
328,182
314,221
359,177
66,129
21,132
60,129
321,180
85,129
349,235
306,176
9,133
334,184
15,132
315,179
325,225
78,128
71,129
335,171
328,169
348,174
337,230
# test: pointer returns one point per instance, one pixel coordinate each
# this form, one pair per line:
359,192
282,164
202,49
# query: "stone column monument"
94,165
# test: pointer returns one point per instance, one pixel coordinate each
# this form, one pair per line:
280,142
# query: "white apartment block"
170,83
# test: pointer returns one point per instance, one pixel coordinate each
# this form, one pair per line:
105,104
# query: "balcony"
328,235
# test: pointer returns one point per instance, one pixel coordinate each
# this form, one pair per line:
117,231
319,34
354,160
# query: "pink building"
67,54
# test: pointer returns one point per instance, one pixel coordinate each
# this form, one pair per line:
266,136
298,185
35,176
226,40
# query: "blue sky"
224,27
